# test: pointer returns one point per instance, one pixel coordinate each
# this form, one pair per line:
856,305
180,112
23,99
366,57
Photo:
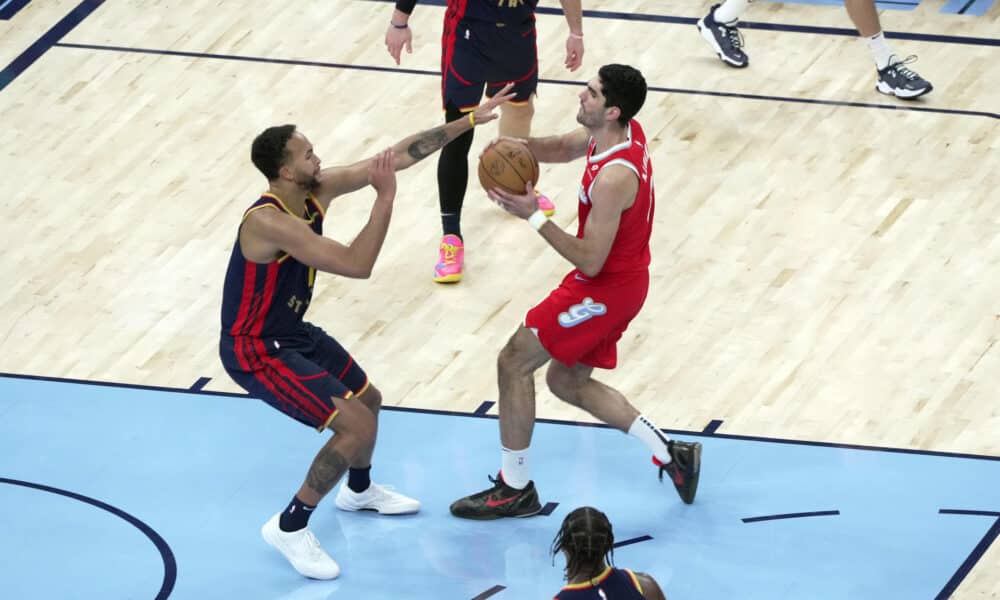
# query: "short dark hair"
588,541
625,87
269,150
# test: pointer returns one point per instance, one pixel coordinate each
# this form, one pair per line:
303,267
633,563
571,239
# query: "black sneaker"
898,80
499,501
683,468
726,40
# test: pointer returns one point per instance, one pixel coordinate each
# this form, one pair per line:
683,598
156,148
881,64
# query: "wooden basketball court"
825,258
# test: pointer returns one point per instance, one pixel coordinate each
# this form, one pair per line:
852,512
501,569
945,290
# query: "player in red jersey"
578,325
271,351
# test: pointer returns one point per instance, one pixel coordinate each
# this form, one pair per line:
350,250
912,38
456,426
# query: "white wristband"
537,219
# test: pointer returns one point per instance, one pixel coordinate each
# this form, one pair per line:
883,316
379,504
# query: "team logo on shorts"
578,313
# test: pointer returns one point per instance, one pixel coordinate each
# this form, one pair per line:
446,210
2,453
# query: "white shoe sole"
268,532
706,34
888,90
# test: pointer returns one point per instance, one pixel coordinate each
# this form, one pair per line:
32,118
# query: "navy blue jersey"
492,11
612,584
268,300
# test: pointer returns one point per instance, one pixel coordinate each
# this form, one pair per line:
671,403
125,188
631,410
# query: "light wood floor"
821,272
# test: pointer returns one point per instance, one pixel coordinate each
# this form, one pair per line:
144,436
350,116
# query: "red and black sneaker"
499,501
683,468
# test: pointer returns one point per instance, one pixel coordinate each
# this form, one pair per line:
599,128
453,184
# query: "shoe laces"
449,253
902,69
315,550
733,35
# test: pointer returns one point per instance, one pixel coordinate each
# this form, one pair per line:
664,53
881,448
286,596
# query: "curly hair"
588,541
269,150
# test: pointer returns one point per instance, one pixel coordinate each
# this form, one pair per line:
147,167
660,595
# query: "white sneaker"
379,498
302,549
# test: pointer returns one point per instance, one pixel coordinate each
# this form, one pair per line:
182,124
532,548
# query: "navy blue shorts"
302,375
477,55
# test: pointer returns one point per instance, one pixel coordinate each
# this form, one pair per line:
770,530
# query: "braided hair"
588,541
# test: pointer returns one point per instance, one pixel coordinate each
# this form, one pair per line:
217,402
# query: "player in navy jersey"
587,540
485,44
577,327
269,350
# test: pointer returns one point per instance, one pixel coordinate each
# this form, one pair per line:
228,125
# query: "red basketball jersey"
630,250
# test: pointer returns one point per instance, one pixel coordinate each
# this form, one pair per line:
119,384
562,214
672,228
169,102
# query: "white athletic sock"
881,52
515,468
731,11
654,439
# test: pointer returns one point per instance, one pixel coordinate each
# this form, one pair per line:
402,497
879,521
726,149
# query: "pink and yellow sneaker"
544,204
451,255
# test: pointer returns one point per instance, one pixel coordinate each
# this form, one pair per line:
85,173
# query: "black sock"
359,479
296,516
453,175
451,224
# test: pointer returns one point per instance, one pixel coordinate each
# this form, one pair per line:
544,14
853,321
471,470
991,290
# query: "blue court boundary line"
974,556
166,554
842,31
952,584
310,63
818,513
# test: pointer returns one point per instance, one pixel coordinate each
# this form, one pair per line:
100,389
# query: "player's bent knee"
562,384
372,398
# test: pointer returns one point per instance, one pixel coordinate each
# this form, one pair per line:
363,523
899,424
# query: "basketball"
508,165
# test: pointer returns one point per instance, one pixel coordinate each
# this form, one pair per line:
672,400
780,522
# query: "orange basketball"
508,165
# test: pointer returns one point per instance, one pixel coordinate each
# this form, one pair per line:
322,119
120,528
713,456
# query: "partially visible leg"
360,492
681,460
718,28
894,78
513,493
515,118
287,531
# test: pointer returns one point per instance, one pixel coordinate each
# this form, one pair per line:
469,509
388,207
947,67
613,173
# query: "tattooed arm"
335,181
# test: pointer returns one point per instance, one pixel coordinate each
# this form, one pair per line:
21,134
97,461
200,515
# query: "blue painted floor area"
206,471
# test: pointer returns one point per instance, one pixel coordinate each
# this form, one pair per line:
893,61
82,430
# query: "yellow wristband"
472,119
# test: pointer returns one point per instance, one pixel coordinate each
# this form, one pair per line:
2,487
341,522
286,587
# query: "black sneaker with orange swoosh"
498,502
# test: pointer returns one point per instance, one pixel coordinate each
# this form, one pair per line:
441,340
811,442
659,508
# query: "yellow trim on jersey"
590,583
247,213
364,388
635,580
318,205
284,207
328,420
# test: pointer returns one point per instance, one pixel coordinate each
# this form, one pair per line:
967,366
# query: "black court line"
48,39
977,552
490,592
465,414
635,540
9,8
548,509
166,554
910,107
841,31
818,513
712,426
484,408
198,385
